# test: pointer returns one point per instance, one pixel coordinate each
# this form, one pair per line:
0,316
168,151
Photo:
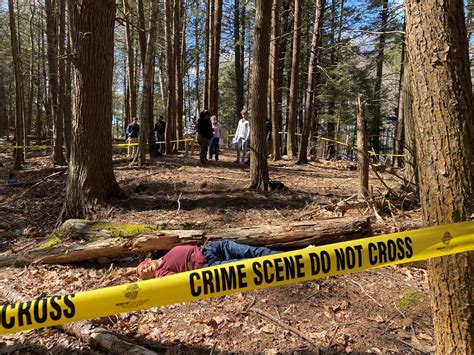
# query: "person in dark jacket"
132,131
160,129
204,134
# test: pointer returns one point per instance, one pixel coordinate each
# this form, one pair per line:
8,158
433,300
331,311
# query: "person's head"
205,115
146,269
213,119
161,118
135,120
244,113
193,119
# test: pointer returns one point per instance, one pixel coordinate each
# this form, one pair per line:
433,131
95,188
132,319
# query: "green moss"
51,242
409,300
123,229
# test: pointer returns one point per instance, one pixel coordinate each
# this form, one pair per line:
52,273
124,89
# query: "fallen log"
86,331
80,240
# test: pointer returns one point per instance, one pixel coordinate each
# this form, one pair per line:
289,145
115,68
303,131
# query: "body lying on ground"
190,257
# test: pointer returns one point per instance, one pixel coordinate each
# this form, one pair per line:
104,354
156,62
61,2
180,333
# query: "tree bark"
63,102
238,59
311,85
293,96
215,54
197,52
275,98
442,112
56,114
362,157
171,66
19,94
91,177
130,60
147,136
399,128
259,178
208,54
3,109
105,240
180,50
377,118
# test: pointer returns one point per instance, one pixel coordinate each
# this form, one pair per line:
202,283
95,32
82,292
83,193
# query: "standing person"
132,131
242,135
214,146
204,134
189,137
160,129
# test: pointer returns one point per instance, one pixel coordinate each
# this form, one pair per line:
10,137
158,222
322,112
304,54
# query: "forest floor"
379,311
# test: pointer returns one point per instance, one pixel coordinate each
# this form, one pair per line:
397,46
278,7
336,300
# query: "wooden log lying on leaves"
86,331
80,240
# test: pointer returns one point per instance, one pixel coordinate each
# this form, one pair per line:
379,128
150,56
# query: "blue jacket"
132,130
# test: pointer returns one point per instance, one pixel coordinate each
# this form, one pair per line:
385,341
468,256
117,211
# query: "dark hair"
204,114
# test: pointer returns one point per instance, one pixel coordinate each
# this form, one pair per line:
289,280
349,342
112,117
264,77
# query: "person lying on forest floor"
190,257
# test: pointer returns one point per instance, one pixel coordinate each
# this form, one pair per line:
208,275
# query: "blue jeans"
161,146
214,146
225,251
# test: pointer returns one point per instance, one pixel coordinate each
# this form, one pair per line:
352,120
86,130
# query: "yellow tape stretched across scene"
251,274
25,146
158,142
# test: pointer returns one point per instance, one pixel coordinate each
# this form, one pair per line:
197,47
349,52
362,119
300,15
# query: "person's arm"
248,131
237,130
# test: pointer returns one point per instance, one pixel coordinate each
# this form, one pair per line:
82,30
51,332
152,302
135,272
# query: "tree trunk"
399,128
362,157
275,98
19,95
409,149
130,60
56,114
3,101
146,136
62,94
180,50
442,112
215,54
171,66
377,118
208,55
31,91
238,59
197,51
141,33
293,96
311,85
259,178
68,103
107,239
91,177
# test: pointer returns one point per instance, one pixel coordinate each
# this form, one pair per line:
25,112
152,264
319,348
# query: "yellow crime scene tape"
251,274
24,146
158,142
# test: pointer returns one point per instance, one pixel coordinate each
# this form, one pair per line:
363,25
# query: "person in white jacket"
241,138
215,141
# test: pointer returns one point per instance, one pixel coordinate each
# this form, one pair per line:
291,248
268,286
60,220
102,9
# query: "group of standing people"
209,136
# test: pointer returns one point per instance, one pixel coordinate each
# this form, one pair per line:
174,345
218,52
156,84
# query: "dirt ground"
377,311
